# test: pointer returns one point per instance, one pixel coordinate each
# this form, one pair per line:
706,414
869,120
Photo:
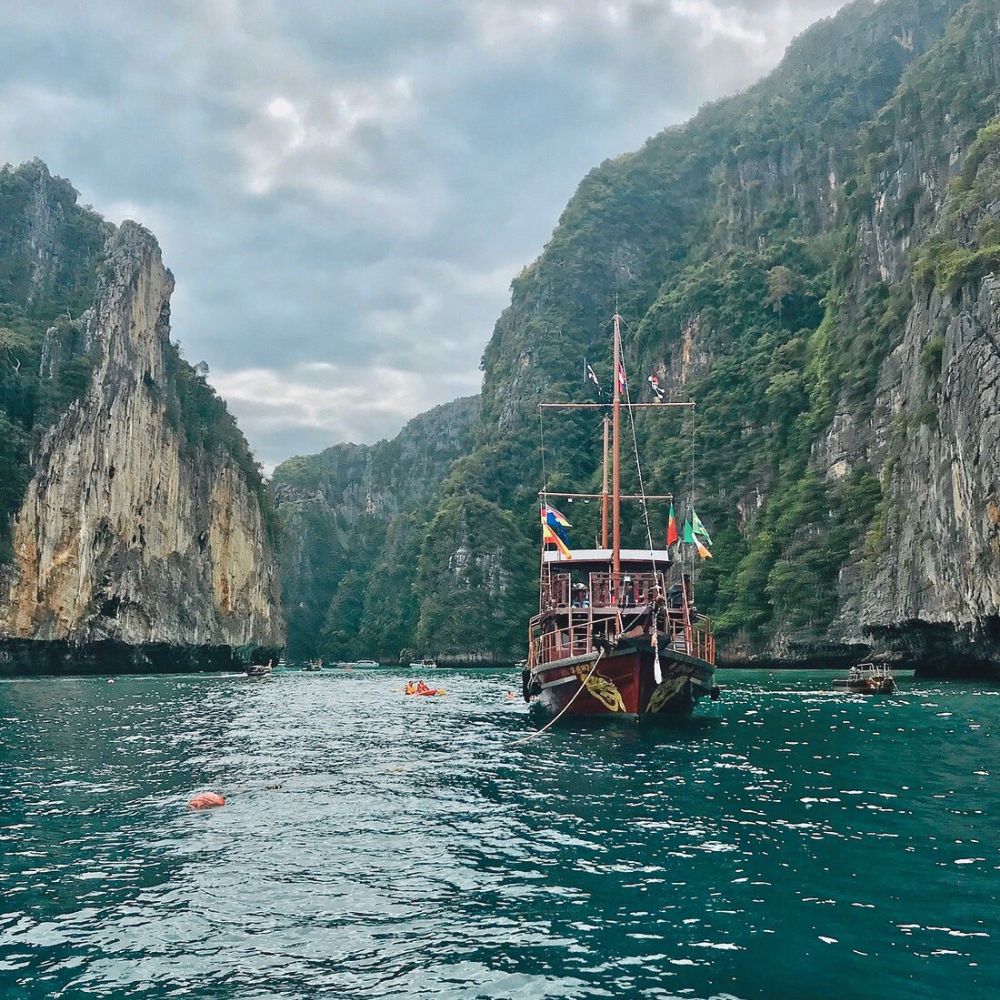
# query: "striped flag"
554,531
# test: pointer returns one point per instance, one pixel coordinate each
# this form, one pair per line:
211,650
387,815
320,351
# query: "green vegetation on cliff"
767,257
354,526
50,251
200,416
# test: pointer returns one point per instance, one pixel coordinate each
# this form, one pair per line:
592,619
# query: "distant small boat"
258,670
867,678
426,664
365,663
313,665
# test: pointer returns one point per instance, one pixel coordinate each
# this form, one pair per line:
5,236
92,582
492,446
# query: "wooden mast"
616,484
604,491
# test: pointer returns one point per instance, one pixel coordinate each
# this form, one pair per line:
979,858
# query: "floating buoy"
206,800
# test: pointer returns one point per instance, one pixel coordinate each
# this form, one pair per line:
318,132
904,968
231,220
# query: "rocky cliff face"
901,427
816,262
933,589
141,531
352,520
930,589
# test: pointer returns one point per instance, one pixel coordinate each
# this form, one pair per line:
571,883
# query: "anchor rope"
548,725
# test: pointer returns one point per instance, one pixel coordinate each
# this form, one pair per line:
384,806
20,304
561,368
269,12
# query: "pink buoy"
206,800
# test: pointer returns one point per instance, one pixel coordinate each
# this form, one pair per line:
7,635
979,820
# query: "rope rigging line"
638,464
691,479
686,556
638,467
586,446
541,435
548,725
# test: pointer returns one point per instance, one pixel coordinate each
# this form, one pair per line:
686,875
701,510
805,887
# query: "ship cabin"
583,605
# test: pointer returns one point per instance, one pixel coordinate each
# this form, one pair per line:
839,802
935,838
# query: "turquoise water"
788,843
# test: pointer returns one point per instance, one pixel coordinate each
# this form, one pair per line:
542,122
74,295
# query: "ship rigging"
617,632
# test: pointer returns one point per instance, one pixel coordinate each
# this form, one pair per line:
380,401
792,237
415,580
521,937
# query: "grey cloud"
344,191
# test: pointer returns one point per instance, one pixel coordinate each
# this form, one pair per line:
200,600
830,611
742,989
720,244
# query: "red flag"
672,535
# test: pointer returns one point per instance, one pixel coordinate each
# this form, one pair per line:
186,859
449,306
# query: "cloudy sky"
345,188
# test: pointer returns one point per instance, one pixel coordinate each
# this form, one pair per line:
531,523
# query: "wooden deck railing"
626,590
604,590
703,639
684,635
577,639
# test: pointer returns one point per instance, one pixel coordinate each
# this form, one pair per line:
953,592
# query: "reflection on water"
788,840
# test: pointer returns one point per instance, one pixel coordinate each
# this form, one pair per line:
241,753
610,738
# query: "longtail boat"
617,632
867,678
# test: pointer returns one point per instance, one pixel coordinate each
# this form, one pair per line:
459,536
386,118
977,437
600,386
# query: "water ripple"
792,837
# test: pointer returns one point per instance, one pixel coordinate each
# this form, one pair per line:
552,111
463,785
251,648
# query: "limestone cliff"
353,522
929,586
141,532
815,261
932,589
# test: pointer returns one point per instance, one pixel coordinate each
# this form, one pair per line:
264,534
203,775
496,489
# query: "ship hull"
623,683
875,685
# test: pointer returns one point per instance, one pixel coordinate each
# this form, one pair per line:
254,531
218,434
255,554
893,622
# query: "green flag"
688,532
698,528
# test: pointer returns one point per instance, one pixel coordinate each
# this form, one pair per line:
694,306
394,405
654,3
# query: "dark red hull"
624,683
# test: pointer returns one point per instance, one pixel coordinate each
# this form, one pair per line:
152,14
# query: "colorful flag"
622,384
554,532
556,520
557,516
672,536
699,528
654,383
702,550
550,537
689,538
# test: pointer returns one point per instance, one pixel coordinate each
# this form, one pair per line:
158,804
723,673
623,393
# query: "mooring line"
552,722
